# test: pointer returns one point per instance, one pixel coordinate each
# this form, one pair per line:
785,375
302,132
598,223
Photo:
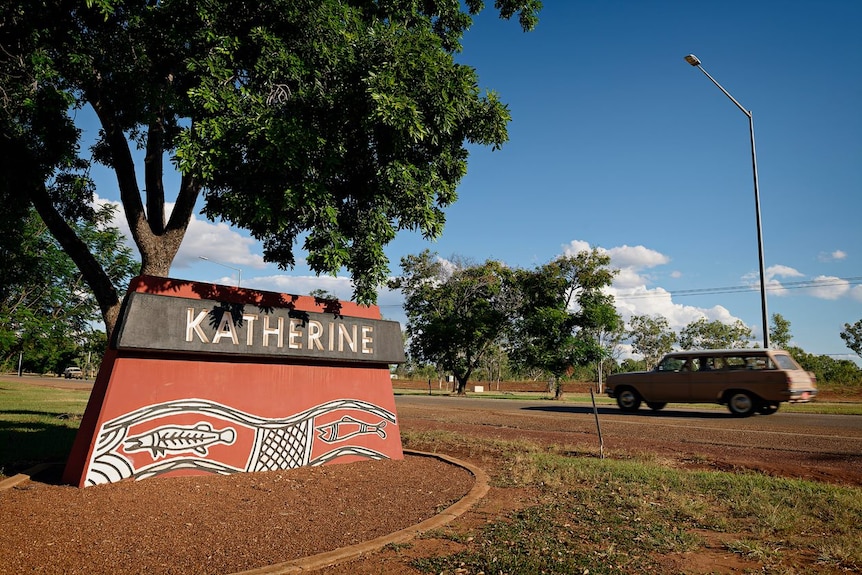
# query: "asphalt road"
813,443
827,447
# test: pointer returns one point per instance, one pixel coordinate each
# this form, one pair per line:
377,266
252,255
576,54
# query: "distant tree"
560,309
651,337
779,332
336,123
455,313
852,336
46,309
828,369
609,339
630,364
703,334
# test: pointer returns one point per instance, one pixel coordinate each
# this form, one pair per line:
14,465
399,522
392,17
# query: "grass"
37,424
590,515
622,516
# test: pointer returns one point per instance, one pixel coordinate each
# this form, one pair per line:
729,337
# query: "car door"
666,385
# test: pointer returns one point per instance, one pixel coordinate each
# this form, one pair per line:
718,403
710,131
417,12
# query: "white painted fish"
180,438
348,427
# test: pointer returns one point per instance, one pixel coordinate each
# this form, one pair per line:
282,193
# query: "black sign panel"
155,322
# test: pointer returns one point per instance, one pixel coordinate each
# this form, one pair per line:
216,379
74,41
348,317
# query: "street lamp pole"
693,60
237,270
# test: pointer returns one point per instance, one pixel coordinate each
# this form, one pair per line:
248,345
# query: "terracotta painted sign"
203,379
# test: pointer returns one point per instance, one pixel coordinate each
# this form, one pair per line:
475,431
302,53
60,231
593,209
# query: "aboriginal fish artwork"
180,438
348,427
275,443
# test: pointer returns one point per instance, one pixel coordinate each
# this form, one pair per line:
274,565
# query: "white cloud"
216,241
632,294
829,287
782,271
629,260
775,287
856,293
636,257
832,256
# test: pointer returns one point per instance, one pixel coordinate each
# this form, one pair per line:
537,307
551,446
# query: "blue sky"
617,143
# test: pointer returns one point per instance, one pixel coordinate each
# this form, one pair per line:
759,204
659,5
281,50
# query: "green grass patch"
623,516
37,424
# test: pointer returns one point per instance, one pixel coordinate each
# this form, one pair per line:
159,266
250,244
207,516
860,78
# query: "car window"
758,362
670,364
735,362
784,361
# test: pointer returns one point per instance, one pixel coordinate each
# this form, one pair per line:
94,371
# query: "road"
825,447
811,446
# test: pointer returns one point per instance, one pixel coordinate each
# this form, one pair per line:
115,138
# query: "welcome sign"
203,379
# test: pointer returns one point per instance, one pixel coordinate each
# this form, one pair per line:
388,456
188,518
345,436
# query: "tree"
828,369
46,311
651,337
338,121
852,336
703,334
779,332
560,308
455,313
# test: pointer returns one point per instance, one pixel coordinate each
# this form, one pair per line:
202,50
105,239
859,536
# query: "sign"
208,379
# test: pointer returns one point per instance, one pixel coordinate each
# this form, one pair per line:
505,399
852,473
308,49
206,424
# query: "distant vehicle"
73,372
745,380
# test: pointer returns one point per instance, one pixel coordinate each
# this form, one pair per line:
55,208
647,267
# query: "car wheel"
656,405
767,408
741,404
628,400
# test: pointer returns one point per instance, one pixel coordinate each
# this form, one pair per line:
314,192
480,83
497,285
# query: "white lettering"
193,325
225,329
315,330
343,336
249,319
367,339
271,330
268,331
294,333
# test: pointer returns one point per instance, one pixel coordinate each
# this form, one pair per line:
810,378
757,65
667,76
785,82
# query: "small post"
598,426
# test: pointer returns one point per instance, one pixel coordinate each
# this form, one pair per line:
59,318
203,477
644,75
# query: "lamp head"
692,59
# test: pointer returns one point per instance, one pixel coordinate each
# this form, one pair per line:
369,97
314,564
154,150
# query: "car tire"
767,408
741,404
656,405
628,400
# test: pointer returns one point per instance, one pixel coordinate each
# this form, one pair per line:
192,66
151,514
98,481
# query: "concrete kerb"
321,560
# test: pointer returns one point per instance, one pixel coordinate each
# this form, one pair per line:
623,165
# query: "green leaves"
339,121
561,312
456,311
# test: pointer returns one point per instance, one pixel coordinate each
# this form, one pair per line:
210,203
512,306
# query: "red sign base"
161,413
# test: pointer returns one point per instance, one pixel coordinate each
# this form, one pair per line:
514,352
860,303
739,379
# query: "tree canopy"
704,334
456,312
46,312
651,337
561,308
852,336
335,123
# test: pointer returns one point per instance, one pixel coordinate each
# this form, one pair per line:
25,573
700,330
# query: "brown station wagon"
745,380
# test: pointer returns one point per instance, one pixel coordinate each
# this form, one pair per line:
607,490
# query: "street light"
693,60
237,270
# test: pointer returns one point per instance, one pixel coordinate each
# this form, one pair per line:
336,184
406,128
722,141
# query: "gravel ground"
218,524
